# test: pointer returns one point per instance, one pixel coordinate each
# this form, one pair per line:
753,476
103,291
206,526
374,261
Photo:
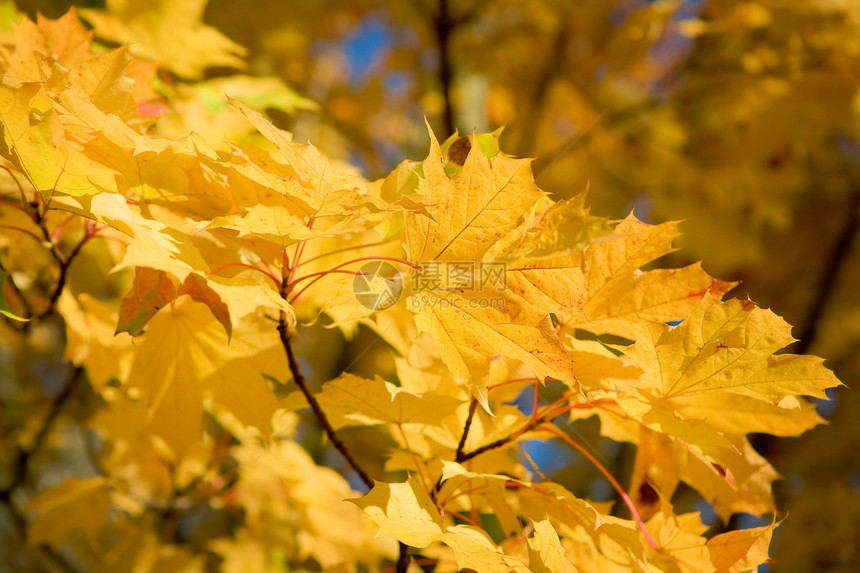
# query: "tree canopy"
429,285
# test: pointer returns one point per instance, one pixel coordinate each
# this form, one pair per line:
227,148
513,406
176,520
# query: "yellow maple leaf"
91,328
352,400
170,33
706,384
474,549
403,511
601,288
741,550
546,555
150,291
557,261
65,41
727,347
33,134
316,176
184,359
472,211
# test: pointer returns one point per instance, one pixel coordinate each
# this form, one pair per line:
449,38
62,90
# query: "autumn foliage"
164,249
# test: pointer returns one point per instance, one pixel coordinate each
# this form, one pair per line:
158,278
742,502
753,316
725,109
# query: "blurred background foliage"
740,117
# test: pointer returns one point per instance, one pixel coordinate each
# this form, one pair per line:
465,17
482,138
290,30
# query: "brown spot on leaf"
648,496
459,150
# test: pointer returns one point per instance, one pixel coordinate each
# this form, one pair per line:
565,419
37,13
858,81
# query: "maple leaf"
315,176
558,261
403,511
741,550
92,340
727,348
114,82
352,400
483,202
601,288
64,40
150,291
475,550
33,137
168,33
707,383
546,554
184,359
472,211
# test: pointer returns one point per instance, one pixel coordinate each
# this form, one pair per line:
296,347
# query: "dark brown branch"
547,417
473,405
21,467
403,559
444,26
841,250
533,423
22,460
64,262
283,329
300,381
498,443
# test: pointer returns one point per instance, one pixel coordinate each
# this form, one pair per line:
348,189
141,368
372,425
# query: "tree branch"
546,418
21,467
22,460
283,329
403,559
841,250
300,381
64,261
473,405
444,26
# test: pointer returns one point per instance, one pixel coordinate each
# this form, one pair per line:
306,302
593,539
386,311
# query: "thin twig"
550,414
323,420
64,263
473,405
299,379
629,502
